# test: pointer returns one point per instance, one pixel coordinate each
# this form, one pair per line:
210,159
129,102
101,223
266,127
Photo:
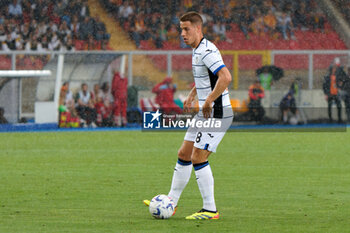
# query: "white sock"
181,176
205,181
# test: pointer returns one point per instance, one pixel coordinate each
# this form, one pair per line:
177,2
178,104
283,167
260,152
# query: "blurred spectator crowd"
279,17
344,7
100,106
158,21
43,25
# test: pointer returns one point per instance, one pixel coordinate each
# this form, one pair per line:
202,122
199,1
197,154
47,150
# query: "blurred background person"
104,106
285,26
68,116
266,79
258,24
95,93
165,96
256,94
331,87
66,95
85,106
120,96
245,20
288,109
344,86
3,120
270,23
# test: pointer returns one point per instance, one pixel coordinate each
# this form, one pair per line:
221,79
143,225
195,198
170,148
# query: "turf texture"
96,181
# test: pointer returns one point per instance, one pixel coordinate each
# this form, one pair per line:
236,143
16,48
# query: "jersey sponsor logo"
210,135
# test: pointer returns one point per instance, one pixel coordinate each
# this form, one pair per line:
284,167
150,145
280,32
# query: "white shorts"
208,139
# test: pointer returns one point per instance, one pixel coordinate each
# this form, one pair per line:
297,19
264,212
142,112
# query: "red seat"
79,44
235,27
293,45
5,63
305,40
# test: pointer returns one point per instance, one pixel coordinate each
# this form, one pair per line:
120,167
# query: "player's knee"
182,154
199,156
196,159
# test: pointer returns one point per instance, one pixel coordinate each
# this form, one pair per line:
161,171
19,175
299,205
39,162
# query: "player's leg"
205,181
330,101
182,171
347,106
183,168
124,111
204,176
339,107
116,113
205,144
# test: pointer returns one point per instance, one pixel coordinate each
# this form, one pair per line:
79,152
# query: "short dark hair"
193,17
105,86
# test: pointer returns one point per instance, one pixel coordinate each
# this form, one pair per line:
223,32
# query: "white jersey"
206,63
84,98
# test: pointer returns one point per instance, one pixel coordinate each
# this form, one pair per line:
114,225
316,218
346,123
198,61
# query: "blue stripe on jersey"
206,55
210,51
213,64
197,65
206,146
218,69
227,117
197,53
201,76
199,88
226,105
222,95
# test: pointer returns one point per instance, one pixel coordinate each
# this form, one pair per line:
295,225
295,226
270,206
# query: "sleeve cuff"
218,69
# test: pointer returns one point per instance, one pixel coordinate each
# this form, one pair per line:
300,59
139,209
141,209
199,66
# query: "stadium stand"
145,72
344,7
42,25
311,29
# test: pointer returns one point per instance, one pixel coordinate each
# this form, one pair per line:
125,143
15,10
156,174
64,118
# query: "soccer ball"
162,206
293,120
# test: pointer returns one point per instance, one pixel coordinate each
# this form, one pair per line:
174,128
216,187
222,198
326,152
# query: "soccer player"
211,78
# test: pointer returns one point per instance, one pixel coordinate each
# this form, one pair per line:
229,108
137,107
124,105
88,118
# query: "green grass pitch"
96,181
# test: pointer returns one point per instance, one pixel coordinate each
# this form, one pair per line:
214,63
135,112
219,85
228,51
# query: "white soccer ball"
293,120
162,206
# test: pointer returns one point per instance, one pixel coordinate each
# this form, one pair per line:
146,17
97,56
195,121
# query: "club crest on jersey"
197,60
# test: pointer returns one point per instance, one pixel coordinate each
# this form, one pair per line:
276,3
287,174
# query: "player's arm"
224,79
189,100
